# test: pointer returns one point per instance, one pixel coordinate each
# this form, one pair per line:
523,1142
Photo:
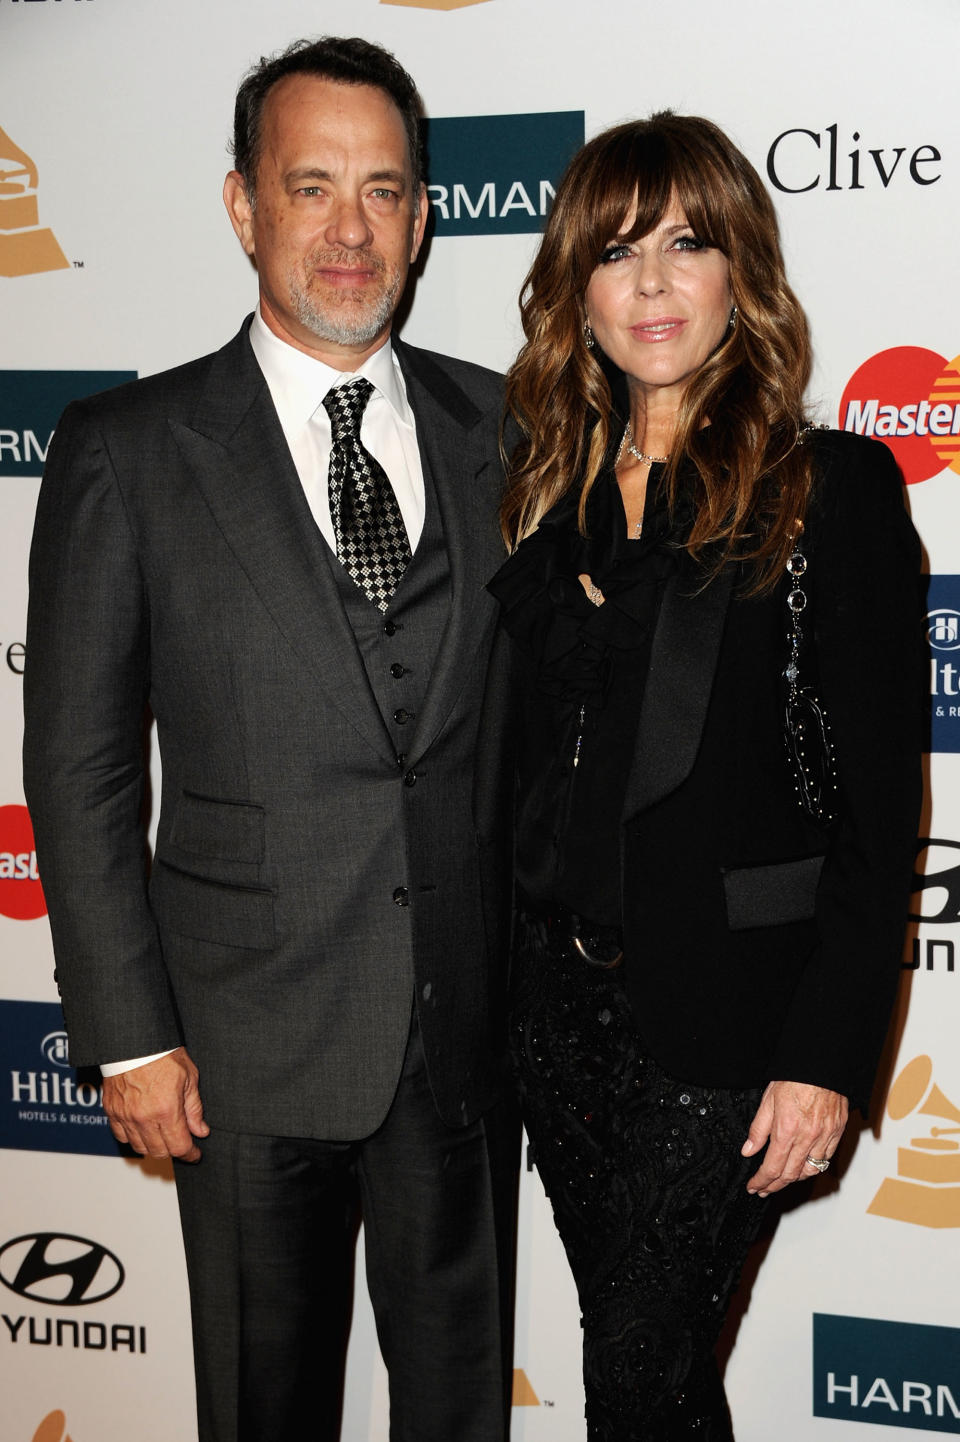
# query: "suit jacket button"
402,716
396,670
410,778
401,896
390,628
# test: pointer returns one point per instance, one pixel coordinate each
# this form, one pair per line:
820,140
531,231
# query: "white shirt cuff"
117,1068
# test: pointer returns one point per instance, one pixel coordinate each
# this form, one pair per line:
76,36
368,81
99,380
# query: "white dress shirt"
298,384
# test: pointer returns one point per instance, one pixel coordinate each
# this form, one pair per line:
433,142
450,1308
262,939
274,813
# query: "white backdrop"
127,264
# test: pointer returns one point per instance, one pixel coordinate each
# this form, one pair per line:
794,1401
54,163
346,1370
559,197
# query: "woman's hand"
799,1122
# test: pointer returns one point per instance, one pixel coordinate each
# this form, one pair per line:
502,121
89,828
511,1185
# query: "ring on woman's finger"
821,1163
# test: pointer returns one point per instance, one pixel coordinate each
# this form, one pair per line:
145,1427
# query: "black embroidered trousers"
648,1190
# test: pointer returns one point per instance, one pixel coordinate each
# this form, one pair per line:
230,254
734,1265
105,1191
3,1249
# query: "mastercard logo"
910,398
21,895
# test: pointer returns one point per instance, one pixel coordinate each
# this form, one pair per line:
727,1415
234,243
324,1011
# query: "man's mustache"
365,259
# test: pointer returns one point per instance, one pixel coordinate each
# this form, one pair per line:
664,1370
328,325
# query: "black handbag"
806,729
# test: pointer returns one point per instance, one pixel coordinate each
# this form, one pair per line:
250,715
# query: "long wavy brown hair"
751,479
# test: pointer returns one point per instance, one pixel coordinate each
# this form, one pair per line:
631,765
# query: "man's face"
335,224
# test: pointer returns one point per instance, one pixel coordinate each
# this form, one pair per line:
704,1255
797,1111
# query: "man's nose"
348,225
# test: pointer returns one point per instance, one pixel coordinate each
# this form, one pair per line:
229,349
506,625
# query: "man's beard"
356,320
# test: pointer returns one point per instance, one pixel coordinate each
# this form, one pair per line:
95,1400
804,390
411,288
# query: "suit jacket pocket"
212,911
772,895
220,830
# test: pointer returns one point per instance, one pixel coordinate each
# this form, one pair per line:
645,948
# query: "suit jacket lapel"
236,450
459,453
683,660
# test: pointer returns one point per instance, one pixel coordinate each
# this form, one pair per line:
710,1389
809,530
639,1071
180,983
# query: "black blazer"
757,946
176,563
760,948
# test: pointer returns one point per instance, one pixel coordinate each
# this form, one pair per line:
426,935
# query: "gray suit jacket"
176,566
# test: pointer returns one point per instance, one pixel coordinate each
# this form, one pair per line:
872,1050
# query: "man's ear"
239,209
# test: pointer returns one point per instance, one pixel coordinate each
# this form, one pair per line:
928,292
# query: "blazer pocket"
212,911
220,830
772,895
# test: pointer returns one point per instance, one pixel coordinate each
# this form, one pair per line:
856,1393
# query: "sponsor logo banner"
926,1188
52,1428
61,1270
47,1105
26,247
523,1393
31,403
434,4
943,631
891,1374
21,894
910,398
497,174
800,160
935,901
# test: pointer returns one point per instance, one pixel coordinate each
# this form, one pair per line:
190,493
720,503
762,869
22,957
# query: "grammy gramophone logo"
926,1189
51,1429
26,247
434,4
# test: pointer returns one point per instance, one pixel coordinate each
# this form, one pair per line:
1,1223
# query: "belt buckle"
603,963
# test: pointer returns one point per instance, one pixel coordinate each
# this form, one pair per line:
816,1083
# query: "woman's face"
659,305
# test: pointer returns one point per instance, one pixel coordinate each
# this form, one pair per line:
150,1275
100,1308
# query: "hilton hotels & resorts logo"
891,1374
926,1188
943,635
46,1104
497,174
26,247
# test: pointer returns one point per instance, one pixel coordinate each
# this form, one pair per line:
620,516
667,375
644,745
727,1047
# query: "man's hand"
799,1121
157,1109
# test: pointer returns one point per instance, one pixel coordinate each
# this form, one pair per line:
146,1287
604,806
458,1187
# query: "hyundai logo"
61,1269
55,1048
939,882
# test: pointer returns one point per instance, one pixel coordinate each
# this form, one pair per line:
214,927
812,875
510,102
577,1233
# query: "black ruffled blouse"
583,673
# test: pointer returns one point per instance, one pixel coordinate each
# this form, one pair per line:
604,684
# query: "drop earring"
587,335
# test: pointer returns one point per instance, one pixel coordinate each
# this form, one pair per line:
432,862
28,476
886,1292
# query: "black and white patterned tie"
372,542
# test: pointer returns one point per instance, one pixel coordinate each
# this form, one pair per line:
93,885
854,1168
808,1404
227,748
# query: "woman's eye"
614,253
689,242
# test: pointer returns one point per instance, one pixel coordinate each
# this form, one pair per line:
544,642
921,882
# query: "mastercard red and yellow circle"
908,397
21,895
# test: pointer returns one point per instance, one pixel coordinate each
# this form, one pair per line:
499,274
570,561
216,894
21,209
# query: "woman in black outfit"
705,967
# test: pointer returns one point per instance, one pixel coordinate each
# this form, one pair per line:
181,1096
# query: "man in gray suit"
281,549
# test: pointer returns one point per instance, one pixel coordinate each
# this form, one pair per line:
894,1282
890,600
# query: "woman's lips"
654,332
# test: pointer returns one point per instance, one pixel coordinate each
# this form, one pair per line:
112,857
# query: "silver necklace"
627,444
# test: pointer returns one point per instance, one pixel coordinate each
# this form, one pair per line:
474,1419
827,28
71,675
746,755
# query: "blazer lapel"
683,660
239,458
459,452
